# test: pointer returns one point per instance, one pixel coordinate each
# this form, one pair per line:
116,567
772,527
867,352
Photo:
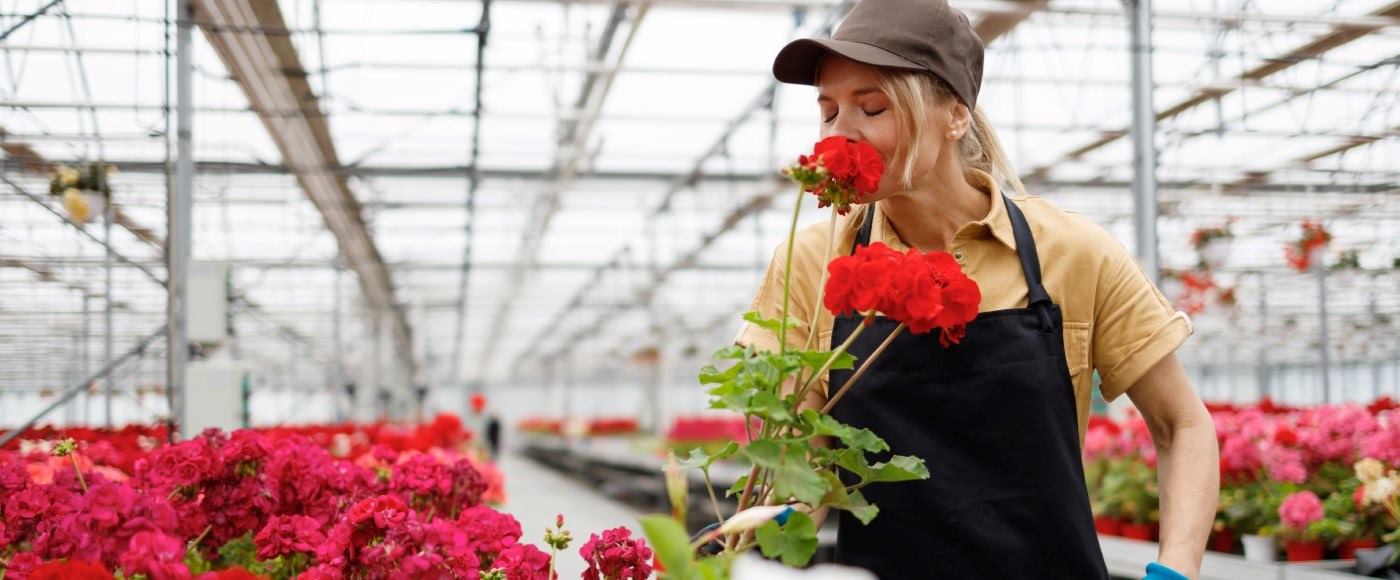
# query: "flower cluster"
1299,510
840,172
266,503
923,291
1324,472
616,556
1300,252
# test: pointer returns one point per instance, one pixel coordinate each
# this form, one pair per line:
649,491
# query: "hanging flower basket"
1213,245
1347,266
84,192
1307,250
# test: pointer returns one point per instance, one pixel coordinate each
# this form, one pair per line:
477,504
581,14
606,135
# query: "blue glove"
1157,571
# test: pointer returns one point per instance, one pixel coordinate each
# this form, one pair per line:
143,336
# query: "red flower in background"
922,291
840,172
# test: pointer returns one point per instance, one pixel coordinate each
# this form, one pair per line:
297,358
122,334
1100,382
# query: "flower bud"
752,518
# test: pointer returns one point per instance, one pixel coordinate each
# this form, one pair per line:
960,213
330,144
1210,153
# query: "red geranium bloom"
922,291
71,570
839,172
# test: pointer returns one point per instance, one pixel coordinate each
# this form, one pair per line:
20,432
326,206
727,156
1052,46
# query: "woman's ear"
959,120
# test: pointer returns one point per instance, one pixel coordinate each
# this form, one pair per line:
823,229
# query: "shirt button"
958,255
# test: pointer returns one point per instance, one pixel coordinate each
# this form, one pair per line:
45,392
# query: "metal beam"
265,67
1339,36
1256,178
988,31
568,159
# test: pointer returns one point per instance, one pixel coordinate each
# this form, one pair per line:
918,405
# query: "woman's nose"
845,125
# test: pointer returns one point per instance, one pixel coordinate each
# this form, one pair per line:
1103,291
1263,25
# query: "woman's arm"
1188,462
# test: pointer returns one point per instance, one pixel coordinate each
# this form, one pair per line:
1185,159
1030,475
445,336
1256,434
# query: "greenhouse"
558,288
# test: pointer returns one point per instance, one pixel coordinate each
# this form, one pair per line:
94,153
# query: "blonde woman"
999,419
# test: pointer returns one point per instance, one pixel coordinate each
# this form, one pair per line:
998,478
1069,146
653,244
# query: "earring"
953,135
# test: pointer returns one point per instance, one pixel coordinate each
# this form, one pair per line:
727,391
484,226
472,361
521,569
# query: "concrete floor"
535,494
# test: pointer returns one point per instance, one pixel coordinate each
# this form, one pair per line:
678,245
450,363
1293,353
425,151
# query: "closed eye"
867,113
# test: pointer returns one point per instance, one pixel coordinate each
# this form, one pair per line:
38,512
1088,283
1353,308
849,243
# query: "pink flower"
1287,465
524,562
616,556
489,531
157,555
1300,509
22,564
287,535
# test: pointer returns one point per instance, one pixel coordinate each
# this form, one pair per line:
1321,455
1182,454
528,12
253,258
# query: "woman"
999,419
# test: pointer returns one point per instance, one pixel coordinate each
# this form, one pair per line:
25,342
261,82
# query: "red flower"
616,556
839,172
524,562
234,573
286,535
923,291
157,555
70,570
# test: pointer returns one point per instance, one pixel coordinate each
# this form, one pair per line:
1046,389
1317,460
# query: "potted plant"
1249,511
1305,527
1307,250
1131,484
1347,266
84,191
1212,245
1364,523
1106,506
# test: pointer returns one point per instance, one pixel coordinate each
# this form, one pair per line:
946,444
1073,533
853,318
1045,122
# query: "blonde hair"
912,93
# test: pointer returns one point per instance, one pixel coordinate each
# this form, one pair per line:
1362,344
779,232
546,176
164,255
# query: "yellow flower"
67,176
77,206
1368,470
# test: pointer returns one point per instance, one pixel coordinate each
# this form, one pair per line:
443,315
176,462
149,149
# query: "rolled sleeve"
1135,327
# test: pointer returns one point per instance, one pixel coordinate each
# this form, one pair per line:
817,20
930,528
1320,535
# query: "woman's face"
853,106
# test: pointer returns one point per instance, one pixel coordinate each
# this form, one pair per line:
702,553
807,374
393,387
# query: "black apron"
994,419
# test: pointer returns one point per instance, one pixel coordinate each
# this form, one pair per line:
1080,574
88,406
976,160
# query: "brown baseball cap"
919,35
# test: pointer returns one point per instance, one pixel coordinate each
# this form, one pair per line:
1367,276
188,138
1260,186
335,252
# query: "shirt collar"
997,222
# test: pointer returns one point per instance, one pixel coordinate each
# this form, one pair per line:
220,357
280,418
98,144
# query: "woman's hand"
1188,462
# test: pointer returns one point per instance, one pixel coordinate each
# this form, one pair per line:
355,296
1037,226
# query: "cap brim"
797,62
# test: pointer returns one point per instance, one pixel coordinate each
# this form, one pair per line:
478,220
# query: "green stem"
81,481
553,553
200,538
864,366
821,285
831,360
787,274
714,501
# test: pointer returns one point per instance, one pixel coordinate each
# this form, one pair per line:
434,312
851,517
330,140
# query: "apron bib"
994,420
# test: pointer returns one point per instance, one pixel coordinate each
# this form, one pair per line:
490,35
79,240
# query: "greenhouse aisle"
535,494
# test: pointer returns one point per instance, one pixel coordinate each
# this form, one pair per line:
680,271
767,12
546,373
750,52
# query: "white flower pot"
1216,252
1259,548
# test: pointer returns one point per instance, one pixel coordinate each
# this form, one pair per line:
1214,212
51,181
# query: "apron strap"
863,238
1025,249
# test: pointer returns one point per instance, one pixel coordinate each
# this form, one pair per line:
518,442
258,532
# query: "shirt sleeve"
1134,326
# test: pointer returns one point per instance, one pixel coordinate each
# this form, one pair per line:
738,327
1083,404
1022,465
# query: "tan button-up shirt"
1116,321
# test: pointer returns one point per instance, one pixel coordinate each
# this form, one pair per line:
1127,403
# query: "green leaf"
672,545
898,468
769,407
794,542
796,479
852,437
732,352
709,375
814,359
860,508
698,459
764,453
772,324
738,486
